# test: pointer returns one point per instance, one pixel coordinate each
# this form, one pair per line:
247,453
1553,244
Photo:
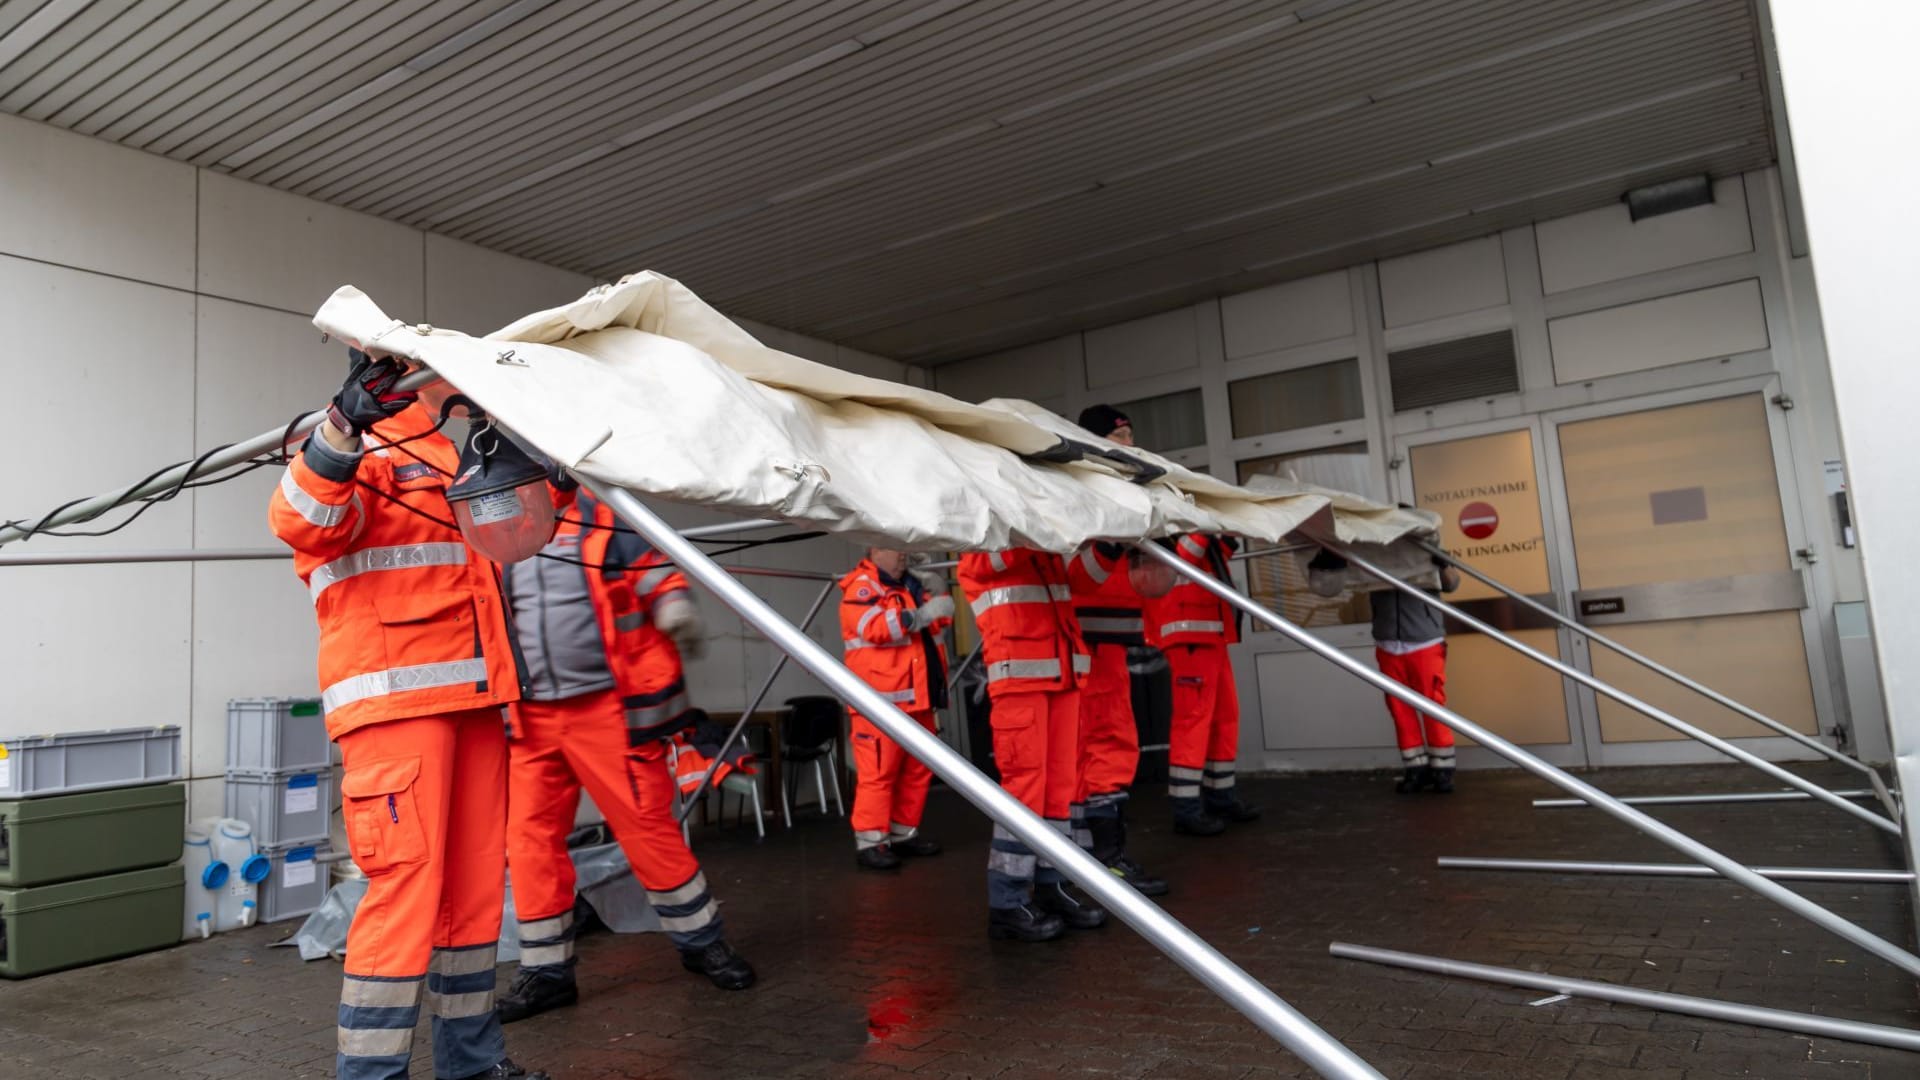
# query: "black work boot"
1023,923
915,846
1417,778
1234,811
1198,823
507,1070
718,962
877,857
1443,781
1135,875
536,992
1075,910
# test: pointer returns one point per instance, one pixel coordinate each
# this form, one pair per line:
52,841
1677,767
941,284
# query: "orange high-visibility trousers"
558,747
421,799
1205,740
1036,747
1423,671
891,790
1109,741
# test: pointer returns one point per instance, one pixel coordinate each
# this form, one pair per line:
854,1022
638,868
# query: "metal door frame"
1567,582
1576,752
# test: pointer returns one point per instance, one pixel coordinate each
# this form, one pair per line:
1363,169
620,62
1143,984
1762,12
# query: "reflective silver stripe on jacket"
999,561
1082,663
898,697
1023,669
323,515
1020,594
397,680
1195,548
895,633
632,620
1091,564
651,716
1194,626
1103,624
398,557
651,580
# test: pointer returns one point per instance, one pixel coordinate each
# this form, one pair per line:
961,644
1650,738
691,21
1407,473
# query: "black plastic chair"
810,732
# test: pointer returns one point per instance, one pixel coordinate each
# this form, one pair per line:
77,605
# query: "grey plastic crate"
298,882
35,765
284,807
274,734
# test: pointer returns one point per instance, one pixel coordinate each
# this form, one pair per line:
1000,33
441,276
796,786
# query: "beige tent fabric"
642,385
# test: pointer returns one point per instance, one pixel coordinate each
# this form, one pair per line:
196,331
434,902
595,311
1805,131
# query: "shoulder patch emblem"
863,593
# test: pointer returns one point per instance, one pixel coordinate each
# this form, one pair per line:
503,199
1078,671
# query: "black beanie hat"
1102,419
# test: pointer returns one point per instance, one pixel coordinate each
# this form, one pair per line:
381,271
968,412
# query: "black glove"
368,396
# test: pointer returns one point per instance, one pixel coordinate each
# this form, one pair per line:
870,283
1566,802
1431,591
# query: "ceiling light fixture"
1669,196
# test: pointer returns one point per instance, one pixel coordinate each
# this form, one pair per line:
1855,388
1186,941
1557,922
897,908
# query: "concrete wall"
1602,310
155,310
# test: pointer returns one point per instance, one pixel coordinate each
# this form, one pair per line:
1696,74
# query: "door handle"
1808,554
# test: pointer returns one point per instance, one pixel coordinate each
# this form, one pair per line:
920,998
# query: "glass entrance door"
1681,552
1486,490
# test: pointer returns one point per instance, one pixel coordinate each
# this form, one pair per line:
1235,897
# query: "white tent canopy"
642,385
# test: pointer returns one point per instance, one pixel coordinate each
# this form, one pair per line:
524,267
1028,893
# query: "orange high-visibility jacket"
1108,606
1189,614
411,619
1023,604
632,584
883,644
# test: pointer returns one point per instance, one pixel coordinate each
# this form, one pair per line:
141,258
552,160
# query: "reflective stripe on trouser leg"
1440,757
1044,871
377,1018
546,945
1011,866
897,832
466,1032
866,838
1414,757
1077,818
1216,783
688,913
1105,804
1183,789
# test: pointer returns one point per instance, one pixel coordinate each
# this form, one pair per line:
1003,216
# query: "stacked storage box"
88,826
280,781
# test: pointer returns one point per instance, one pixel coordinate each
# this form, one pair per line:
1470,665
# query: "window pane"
1303,397
1278,580
1174,421
1462,370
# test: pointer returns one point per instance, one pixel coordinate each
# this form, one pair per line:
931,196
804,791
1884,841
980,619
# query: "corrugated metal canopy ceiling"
924,180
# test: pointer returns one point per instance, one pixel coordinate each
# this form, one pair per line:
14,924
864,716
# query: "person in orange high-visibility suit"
890,628
601,622
1034,662
1109,610
1409,647
1194,628
416,659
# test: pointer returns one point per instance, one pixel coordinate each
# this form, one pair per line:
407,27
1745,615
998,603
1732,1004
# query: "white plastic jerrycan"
237,903
206,879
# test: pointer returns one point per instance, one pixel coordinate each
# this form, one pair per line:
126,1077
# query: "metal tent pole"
155,555
1709,797
747,714
1637,819
1219,974
1851,1030
1654,665
1746,757
238,454
1775,873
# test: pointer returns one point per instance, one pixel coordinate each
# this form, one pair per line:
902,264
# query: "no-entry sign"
1478,520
